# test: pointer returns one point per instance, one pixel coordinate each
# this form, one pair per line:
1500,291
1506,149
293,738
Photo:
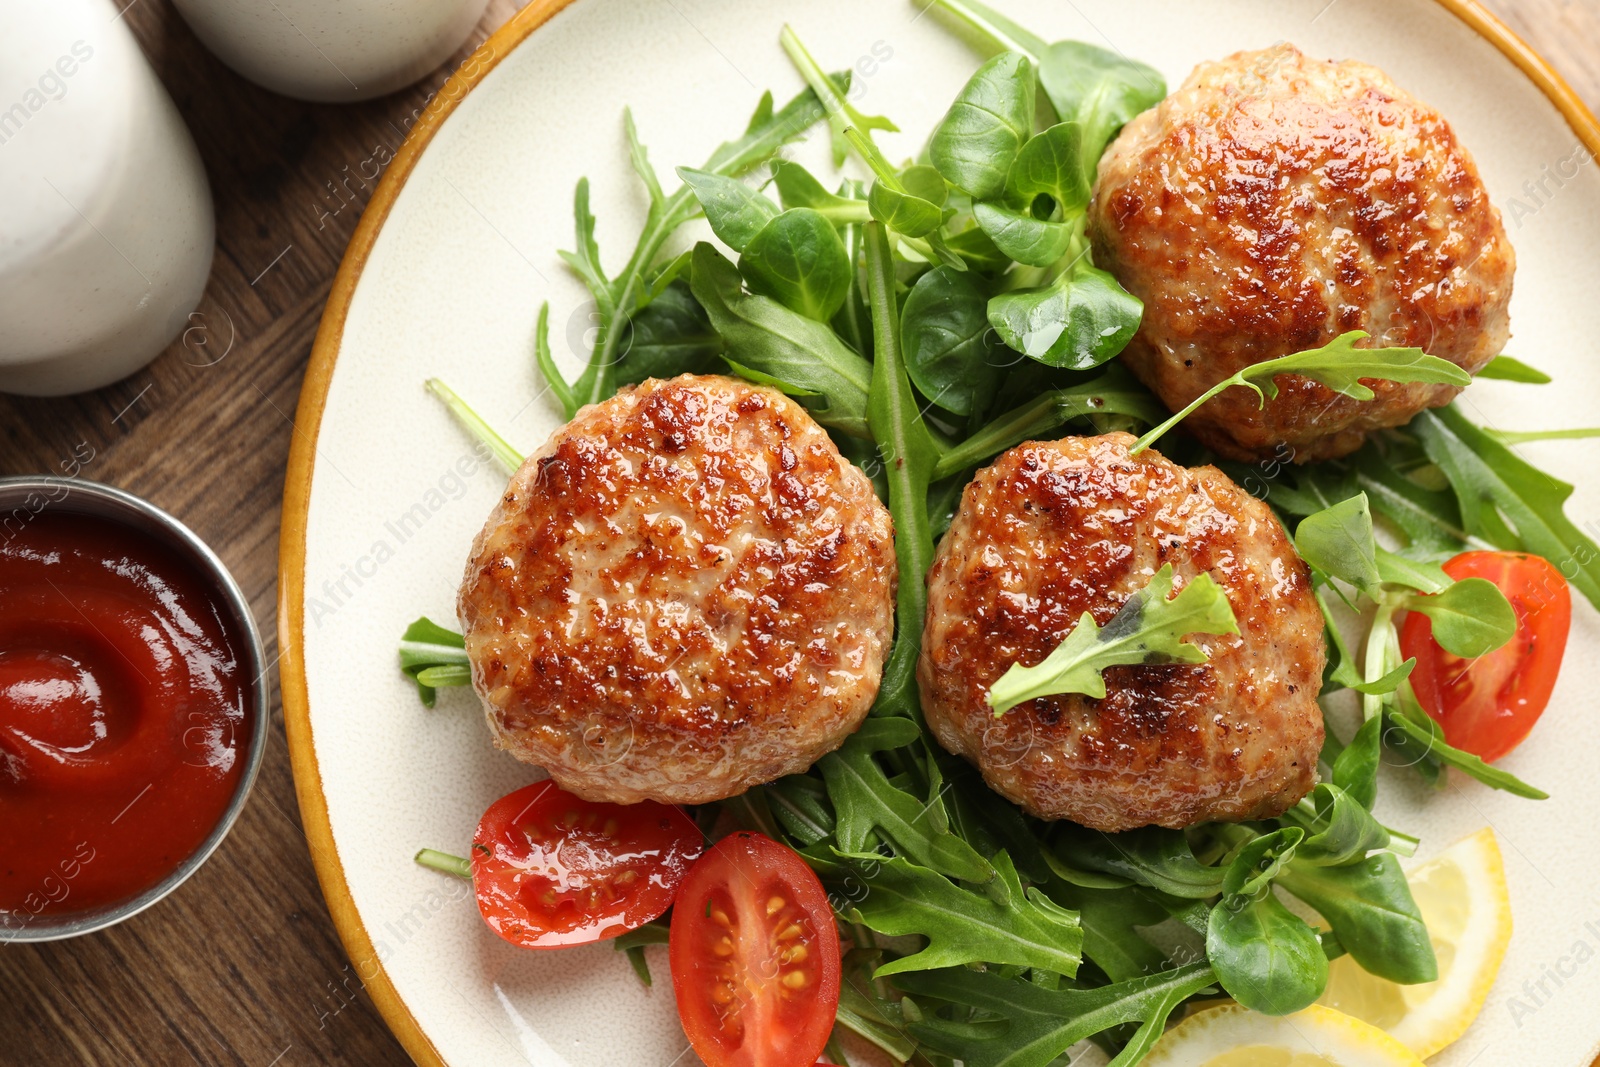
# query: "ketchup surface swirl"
125,716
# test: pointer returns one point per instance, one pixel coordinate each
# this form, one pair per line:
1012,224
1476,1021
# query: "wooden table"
242,966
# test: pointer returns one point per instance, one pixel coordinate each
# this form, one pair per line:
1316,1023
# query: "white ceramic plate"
445,279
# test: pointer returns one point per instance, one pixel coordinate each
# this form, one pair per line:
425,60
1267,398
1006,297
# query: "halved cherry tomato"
552,870
755,956
1487,705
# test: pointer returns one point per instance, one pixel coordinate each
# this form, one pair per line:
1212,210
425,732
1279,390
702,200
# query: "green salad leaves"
932,313
1148,629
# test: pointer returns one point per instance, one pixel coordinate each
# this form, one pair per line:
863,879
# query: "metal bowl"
31,495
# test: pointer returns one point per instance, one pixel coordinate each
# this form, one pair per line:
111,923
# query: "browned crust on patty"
1052,530
685,592
1275,202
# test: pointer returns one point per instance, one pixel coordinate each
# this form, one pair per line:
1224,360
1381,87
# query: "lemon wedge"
1233,1036
1462,895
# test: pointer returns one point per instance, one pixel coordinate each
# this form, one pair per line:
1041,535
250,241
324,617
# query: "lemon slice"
1232,1036
1462,895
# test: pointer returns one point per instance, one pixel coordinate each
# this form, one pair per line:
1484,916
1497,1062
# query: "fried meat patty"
687,591
1275,202
1052,530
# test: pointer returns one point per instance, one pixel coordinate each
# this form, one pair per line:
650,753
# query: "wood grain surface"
241,965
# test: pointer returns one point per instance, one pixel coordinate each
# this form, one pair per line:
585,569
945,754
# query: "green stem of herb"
918,245
833,102
443,861
1002,31
664,218
675,211
1517,437
813,74
880,167
1018,425
1375,661
907,498
444,676
1402,844
1150,438
509,457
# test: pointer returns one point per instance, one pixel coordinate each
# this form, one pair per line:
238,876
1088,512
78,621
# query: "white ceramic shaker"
333,51
106,226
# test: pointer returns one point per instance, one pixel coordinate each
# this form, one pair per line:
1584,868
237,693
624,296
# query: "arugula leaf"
1154,857
797,187
1470,618
1514,370
1114,392
866,805
798,259
1369,905
992,117
616,299
633,943
1078,321
944,332
669,336
1000,31
427,646
1505,500
1147,629
961,926
876,1021
750,374
853,322
1033,1025
909,454
799,803
585,262
842,115
1339,365
735,211
988,821
1422,731
547,363
763,335
1338,542
1429,518
1109,919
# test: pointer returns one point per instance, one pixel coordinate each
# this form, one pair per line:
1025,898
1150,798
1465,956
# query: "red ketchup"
125,714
